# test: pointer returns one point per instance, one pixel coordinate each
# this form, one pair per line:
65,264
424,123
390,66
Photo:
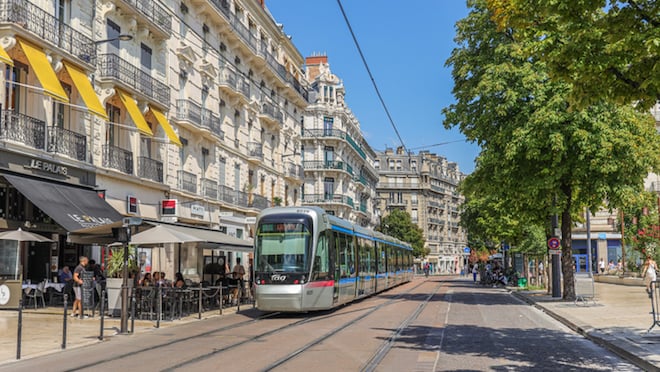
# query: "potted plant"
277,201
114,281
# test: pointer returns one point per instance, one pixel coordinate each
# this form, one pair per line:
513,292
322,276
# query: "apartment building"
176,111
424,185
337,161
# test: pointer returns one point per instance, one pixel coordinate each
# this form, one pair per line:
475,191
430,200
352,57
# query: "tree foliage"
538,156
398,224
605,48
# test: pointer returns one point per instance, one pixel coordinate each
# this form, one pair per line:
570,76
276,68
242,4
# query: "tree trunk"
567,261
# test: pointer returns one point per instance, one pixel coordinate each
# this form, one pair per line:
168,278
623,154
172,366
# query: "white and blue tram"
306,259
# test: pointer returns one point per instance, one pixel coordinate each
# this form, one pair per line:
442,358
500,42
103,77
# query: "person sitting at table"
163,281
156,279
65,275
146,281
178,281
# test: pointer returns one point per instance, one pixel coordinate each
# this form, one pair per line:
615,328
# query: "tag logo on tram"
278,278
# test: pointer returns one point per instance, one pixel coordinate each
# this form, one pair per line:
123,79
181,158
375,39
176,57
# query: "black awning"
73,208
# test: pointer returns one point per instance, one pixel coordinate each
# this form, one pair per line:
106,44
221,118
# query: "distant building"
338,162
424,185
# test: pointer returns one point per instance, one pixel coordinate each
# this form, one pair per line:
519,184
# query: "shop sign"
48,167
131,204
250,220
197,210
86,221
168,207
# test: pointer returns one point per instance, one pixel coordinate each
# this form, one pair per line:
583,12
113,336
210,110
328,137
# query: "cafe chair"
37,293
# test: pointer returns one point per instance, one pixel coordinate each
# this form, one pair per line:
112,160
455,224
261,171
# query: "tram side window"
390,259
381,258
346,255
321,269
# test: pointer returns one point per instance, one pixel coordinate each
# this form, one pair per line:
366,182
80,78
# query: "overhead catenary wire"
435,145
371,76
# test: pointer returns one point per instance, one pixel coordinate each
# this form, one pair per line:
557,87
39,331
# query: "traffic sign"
466,250
554,243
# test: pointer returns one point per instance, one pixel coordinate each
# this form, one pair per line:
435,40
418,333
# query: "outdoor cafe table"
56,286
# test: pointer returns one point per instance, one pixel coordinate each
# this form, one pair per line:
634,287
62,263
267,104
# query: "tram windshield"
283,247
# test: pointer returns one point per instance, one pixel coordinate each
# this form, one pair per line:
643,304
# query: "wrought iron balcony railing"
190,111
330,165
68,143
112,66
23,129
210,188
243,86
187,181
259,202
150,169
335,133
228,77
47,27
154,13
212,122
117,158
328,198
255,150
233,197
273,112
294,170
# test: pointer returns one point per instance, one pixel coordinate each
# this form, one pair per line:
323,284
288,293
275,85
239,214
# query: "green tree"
398,224
539,157
605,48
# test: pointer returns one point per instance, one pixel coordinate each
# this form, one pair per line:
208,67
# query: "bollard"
19,333
66,296
221,299
133,304
160,306
102,314
199,300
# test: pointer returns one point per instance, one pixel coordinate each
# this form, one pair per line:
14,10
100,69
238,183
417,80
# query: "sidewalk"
618,321
42,330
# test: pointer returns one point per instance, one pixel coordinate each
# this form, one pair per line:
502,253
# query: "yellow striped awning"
167,127
86,90
44,71
135,113
5,58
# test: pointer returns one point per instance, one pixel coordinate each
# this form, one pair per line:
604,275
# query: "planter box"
113,289
613,279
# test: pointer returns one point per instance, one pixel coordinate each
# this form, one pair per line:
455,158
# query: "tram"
306,259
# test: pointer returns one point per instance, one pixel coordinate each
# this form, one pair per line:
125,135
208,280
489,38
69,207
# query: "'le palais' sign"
45,166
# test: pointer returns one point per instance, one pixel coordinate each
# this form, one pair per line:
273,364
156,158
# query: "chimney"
399,150
313,64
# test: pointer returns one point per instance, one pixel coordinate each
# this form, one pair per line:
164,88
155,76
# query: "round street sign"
466,250
554,243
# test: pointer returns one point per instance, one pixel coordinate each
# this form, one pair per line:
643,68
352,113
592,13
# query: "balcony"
395,203
45,26
150,169
334,165
23,129
361,208
259,202
439,189
255,151
436,221
210,188
187,181
329,199
68,143
398,185
233,197
188,111
154,15
434,204
272,115
335,133
117,158
227,79
454,225
114,68
294,172
243,87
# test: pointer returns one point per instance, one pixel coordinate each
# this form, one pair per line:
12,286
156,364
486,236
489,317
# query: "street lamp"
122,37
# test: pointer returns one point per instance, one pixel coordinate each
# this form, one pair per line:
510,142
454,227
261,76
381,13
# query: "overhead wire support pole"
371,76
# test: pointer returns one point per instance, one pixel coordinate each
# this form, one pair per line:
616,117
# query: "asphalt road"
421,326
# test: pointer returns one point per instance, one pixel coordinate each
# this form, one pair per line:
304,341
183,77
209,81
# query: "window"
398,165
145,56
321,268
414,215
61,111
413,199
237,177
113,31
377,164
222,169
329,155
413,165
391,164
327,125
111,129
63,11
145,146
328,188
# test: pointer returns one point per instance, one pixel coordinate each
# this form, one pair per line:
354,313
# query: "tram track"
380,354
312,318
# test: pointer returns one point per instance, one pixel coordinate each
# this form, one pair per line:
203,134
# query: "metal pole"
102,314
133,309
19,331
160,306
589,258
124,289
220,299
556,263
199,300
66,297
623,245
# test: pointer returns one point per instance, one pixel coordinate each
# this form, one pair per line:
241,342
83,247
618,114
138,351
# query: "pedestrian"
238,273
475,270
601,265
77,286
427,268
650,270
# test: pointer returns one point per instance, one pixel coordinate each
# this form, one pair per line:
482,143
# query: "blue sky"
406,45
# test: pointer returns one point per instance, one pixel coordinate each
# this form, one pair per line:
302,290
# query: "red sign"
168,207
554,243
131,204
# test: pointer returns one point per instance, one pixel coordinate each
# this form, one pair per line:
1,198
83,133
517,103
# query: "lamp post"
122,37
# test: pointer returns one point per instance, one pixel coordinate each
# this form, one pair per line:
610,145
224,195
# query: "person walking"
650,272
475,270
238,273
601,266
77,286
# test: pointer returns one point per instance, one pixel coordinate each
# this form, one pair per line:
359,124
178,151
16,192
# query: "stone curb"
587,332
